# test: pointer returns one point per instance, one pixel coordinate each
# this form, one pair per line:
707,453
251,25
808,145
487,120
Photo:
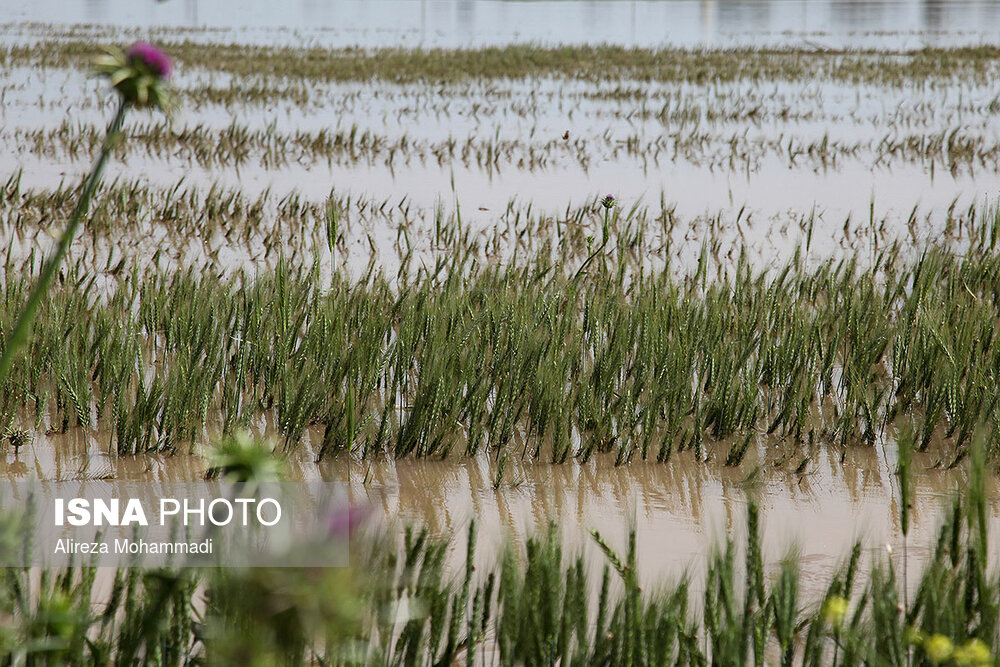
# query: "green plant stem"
604,242
20,333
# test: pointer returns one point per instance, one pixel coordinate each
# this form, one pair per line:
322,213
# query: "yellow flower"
938,648
834,611
974,653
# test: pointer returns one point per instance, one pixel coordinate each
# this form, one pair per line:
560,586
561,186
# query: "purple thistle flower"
155,60
608,201
342,521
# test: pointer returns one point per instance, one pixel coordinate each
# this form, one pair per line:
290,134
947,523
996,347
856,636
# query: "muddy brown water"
680,509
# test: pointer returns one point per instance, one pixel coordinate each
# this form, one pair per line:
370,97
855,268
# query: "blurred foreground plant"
243,458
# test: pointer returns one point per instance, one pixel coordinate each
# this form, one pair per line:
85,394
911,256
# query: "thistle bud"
139,74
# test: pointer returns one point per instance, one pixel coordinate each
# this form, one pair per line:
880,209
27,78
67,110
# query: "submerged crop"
193,314
542,360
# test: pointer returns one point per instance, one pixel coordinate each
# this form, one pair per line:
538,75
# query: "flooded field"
738,280
849,152
680,509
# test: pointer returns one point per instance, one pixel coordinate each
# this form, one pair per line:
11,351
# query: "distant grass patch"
592,63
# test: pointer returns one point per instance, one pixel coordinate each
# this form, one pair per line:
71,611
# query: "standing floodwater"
633,332
816,24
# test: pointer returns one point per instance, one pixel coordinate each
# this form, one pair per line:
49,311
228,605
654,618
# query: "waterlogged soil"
680,509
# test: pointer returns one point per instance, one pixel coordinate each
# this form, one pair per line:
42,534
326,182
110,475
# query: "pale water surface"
451,23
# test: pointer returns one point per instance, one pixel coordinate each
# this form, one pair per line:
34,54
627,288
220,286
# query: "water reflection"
97,10
450,23
680,508
861,15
